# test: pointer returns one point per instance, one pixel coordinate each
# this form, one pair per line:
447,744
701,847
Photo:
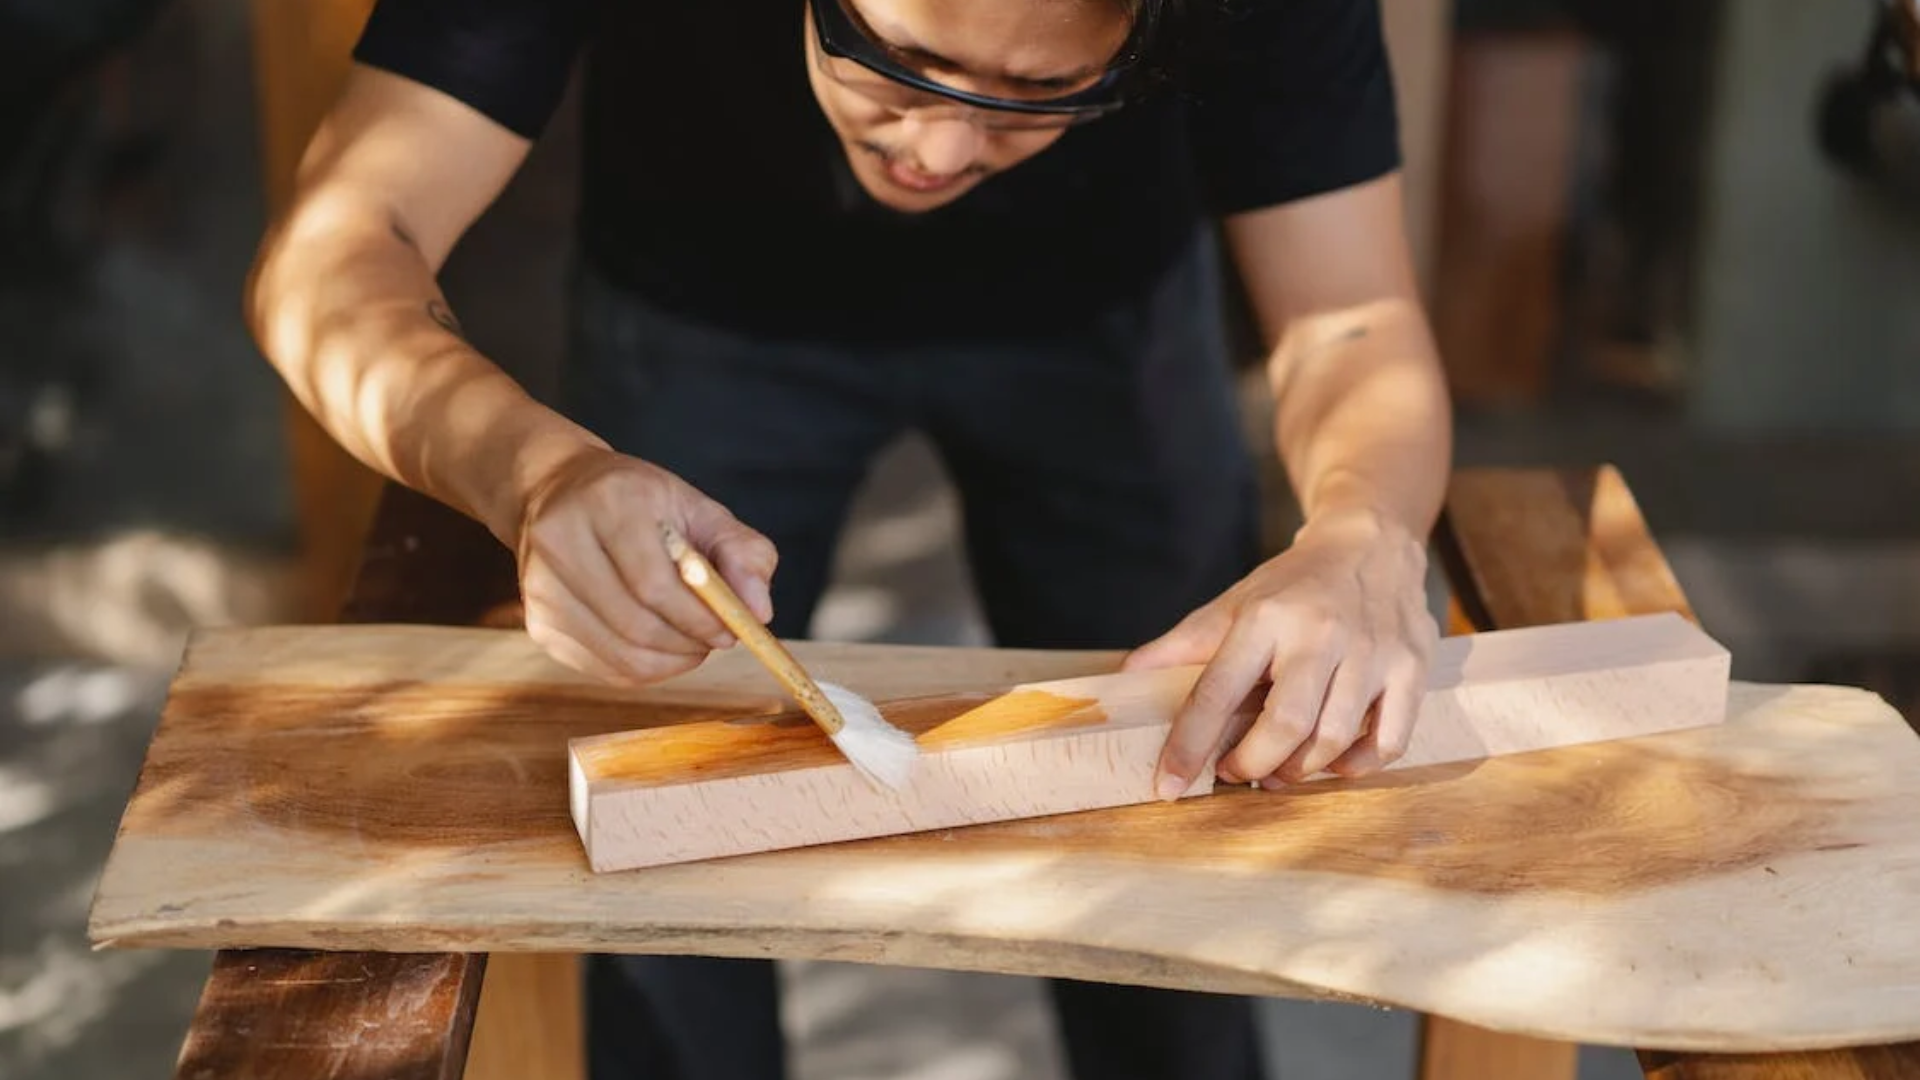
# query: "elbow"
260,302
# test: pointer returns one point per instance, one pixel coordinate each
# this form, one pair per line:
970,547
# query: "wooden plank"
1452,1050
241,1030
717,788
1578,894
1532,546
1536,546
531,1020
1898,1062
276,1014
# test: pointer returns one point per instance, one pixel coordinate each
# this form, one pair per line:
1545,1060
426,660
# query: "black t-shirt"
712,183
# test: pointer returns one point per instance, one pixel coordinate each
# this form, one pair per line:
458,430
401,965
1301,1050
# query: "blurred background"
1681,237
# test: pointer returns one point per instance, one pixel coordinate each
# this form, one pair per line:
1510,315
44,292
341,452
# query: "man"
810,225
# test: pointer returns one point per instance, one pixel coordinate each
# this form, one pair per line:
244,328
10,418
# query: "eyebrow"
929,58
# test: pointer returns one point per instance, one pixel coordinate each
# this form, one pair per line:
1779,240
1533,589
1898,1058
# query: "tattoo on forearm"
1351,334
438,310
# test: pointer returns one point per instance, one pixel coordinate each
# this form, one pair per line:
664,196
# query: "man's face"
913,151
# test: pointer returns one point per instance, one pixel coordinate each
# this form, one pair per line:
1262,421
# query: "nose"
943,145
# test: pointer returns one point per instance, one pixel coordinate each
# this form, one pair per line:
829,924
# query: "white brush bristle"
882,752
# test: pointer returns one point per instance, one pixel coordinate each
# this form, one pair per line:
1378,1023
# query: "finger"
568,650
576,576
666,614
1193,640
582,561
1350,696
562,625
744,557
1387,739
1199,730
1292,709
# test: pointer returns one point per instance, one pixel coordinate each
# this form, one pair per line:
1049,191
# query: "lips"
914,180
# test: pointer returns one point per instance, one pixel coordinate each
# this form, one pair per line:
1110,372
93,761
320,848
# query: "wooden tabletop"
425,565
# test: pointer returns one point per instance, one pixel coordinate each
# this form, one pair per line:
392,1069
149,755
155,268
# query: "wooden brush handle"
713,590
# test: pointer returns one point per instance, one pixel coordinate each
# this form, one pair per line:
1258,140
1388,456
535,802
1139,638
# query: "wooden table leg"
1450,1050
530,1020
298,1015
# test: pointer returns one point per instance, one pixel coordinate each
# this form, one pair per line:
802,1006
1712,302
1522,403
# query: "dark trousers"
1105,490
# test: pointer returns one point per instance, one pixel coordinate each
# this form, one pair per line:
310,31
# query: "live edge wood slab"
706,789
1744,886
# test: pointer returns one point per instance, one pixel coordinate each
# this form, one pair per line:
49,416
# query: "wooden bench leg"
529,1023
1450,1050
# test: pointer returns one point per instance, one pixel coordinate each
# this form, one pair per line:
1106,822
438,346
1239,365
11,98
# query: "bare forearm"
1363,421
346,308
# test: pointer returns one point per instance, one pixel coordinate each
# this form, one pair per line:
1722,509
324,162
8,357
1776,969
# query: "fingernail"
1273,783
1169,787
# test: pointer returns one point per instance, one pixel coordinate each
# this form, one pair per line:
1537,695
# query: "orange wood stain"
446,766
456,768
713,750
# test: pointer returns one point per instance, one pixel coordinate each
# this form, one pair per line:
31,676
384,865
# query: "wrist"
504,485
1355,522
1347,505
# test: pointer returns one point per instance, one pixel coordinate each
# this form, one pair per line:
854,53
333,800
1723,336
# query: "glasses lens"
855,70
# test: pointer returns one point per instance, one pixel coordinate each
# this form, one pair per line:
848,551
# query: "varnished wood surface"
1581,894
1530,546
1894,1062
423,563
277,1014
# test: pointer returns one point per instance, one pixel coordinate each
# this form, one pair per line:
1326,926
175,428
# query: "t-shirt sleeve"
1291,98
508,59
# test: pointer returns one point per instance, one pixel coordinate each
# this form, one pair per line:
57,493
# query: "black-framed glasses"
900,89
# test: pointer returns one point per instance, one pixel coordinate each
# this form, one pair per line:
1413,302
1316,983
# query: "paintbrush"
881,752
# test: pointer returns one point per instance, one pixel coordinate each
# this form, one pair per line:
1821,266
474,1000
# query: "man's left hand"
1336,632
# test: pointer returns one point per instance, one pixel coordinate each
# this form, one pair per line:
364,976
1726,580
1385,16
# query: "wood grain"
1525,547
1581,894
707,789
422,563
1897,1062
277,1014
1589,549
1375,842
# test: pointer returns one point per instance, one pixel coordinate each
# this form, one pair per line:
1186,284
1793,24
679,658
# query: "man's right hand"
600,593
